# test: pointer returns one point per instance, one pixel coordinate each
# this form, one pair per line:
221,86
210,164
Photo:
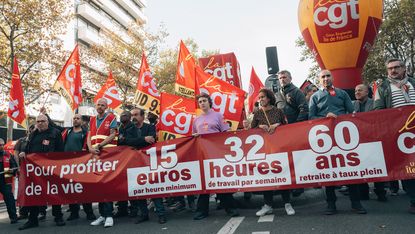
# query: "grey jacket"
367,107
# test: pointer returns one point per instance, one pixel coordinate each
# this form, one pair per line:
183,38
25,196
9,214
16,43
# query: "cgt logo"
178,117
335,13
406,140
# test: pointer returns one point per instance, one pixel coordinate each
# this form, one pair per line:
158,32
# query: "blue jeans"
105,209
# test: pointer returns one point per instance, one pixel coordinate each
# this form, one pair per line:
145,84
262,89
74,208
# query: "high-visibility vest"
99,133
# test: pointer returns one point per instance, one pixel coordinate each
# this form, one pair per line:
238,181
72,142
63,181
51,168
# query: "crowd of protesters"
288,105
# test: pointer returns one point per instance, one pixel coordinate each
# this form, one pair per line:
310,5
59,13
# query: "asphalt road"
389,217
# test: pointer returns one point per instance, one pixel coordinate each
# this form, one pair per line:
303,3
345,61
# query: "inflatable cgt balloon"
341,33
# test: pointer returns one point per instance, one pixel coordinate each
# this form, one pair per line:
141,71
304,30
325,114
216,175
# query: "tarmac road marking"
231,226
266,218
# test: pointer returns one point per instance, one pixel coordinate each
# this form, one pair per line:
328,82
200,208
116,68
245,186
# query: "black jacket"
292,102
146,130
129,135
43,142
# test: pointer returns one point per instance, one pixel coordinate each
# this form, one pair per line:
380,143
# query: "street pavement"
389,217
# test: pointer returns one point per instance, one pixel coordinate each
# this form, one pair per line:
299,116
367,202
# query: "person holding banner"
8,168
44,139
210,122
396,91
102,133
146,137
331,102
268,117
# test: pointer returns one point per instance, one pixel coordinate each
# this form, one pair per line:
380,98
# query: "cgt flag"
255,85
110,92
16,110
227,99
147,96
176,116
185,74
69,83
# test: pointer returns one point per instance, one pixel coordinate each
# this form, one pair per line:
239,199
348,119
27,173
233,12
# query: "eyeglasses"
324,76
40,121
395,67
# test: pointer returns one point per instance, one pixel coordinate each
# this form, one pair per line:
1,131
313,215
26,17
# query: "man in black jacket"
147,137
128,134
44,139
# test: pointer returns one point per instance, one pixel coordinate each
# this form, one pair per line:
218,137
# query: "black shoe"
142,219
21,217
42,216
232,212
28,225
297,192
382,198
358,208
91,217
162,220
13,221
331,209
59,222
73,216
200,215
120,214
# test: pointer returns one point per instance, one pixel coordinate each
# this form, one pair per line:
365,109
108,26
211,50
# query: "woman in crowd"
268,117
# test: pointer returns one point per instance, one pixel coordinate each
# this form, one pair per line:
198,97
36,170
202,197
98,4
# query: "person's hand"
272,128
22,155
331,115
264,127
150,139
94,150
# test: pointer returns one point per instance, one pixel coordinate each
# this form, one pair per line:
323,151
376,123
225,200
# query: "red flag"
185,74
16,110
147,96
110,92
255,85
176,116
69,83
227,99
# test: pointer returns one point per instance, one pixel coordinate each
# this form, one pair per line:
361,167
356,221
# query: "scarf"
401,84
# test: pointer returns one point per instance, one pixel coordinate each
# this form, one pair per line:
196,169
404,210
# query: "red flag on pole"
69,83
185,74
147,95
255,85
16,110
110,92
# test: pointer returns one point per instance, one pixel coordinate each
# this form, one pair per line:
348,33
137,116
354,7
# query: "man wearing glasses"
332,102
43,139
397,91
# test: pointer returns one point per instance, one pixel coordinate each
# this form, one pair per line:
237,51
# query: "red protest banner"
147,95
16,110
185,74
224,66
176,116
227,99
349,149
110,92
255,84
69,84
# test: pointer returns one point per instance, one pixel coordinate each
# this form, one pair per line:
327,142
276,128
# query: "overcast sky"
239,26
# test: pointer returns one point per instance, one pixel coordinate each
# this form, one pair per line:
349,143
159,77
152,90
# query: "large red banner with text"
358,148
